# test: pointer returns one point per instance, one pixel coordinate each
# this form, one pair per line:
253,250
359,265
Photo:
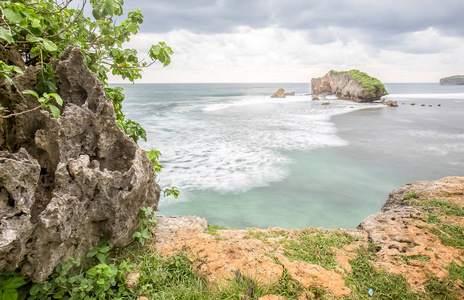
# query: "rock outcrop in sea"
279,94
418,236
453,80
349,85
66,183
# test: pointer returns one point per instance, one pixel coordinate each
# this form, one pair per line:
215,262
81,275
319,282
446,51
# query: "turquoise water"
242,159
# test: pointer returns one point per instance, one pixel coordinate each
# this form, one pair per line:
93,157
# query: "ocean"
242,159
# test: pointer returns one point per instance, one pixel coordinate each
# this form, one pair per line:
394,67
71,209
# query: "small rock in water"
325,103
290,94
430,105
279,94
315,97
439,104
422,104
413,103
391,103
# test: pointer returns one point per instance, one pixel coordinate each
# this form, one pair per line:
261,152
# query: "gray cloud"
378,23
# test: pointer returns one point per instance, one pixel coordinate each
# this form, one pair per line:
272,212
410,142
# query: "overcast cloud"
294,40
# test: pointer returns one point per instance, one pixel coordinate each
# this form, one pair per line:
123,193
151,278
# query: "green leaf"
49,46
9,294
8,79
136,235
35,23
33,39
104,249
29,92
12,16
92,253
55,111
57,98
92,272
14,283
18,70
6,35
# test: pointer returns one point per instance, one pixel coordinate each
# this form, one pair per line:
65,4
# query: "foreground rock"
453,80
66,183
256,253
279,94
349,85
406,243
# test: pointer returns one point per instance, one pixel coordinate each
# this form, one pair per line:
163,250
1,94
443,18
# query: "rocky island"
453,80
348,85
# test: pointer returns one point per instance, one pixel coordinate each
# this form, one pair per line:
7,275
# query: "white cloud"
276,54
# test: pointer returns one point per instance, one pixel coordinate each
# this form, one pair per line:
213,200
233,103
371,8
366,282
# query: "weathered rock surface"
66,183
221,255
453,80
400,231
342,84
279,94
290,94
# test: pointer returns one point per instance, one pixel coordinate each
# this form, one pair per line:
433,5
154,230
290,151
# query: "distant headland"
453,80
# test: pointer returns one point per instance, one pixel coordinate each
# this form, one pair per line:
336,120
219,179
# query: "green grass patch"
370,84
264,235
447,208
212,229
411,195
385,286
441,290
316,246
406,258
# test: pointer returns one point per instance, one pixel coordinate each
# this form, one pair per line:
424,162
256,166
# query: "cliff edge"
349,85
413,249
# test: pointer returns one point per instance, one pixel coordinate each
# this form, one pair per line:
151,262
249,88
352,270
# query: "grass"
385,286
264,235
370,84
406,258
450,235
411,195
446,207
316,246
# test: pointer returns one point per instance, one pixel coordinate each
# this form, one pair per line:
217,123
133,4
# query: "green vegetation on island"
370,84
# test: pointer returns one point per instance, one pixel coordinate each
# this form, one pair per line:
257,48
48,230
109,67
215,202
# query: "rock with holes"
66,183
405,243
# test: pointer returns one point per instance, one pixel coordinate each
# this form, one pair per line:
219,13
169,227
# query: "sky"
296,40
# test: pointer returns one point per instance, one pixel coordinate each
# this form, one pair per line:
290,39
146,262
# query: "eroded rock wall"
66,183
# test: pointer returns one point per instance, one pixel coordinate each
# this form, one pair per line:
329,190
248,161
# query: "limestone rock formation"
66,183
279,94
453,80
409,245
349,85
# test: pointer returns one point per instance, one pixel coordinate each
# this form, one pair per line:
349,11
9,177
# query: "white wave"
246,100
425,96
236,150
